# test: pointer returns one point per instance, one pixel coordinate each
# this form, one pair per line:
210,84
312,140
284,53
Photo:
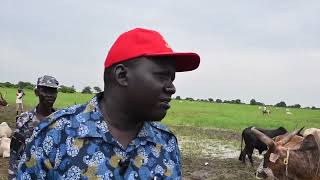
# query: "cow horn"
263,138
287,138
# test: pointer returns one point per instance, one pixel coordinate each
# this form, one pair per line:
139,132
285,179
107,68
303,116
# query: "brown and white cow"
290,157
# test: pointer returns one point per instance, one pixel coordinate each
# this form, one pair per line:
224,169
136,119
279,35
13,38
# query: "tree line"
96,89
62,88
238,101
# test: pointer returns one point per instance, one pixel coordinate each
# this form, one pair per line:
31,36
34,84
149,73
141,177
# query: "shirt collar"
97,127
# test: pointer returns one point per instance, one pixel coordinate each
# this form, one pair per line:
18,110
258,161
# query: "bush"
218,101
178,98
66,89
295,106
281,104
26,85
97,89
87,90
254,102
189,99
8,85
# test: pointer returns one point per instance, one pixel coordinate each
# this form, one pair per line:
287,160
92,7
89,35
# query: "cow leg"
243,155
250,151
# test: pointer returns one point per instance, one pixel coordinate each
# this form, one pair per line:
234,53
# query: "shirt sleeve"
178,159
35,162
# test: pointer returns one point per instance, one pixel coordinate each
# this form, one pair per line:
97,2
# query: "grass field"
202,114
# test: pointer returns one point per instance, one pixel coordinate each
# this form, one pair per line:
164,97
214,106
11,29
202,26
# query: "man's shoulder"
161,128
24,117
76,121
65,114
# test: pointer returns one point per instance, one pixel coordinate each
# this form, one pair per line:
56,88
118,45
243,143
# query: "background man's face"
46,95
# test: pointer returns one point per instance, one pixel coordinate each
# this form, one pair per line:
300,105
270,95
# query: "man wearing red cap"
117,134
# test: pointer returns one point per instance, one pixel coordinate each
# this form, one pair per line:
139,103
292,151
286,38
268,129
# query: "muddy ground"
206,154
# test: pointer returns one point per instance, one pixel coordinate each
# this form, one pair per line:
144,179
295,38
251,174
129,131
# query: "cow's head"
277,165
3,102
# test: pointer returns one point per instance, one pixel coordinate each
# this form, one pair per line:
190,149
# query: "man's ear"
120,73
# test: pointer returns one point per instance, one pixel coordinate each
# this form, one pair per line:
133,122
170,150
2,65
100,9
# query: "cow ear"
274,157
309,143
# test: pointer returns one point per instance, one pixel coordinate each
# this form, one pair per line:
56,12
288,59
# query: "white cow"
311,131
5,130
289,113
5,147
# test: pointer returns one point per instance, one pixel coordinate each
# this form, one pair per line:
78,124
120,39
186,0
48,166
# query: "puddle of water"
209,148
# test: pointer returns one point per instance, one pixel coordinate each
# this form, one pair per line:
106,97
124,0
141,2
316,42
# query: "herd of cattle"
292,155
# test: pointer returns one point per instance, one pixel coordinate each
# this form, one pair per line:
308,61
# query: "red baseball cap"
148,43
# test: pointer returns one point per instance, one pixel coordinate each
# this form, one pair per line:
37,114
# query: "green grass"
30,100
237,117
203,114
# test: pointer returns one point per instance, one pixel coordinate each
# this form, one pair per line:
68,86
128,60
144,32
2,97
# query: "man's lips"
165,103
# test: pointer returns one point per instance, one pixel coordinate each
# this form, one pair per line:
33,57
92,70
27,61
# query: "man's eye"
163,76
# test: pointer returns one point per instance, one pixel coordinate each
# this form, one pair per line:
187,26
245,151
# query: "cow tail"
241,142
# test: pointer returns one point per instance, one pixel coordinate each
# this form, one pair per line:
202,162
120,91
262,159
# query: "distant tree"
25,85
260,104
281,104
87,90
313,107
218,101
210,100
253,102
237,101
296,106
189,99
97,89
178,98
66,89
8,85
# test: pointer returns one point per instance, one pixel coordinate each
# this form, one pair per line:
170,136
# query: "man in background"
19,101
46,91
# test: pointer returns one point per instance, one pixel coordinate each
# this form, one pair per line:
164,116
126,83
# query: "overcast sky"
268,50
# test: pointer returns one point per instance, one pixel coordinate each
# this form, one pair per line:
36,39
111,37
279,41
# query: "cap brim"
183,61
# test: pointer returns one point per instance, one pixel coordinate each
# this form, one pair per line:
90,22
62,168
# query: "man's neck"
43,111
122,127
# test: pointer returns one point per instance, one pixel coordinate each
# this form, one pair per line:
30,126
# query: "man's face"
150,87
47,95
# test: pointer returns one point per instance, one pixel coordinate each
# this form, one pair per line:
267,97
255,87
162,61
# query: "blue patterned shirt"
75,143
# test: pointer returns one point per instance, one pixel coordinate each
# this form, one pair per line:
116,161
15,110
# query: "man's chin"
158,116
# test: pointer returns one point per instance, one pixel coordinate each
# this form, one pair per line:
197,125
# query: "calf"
251,141
289,157
5,130
5,147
